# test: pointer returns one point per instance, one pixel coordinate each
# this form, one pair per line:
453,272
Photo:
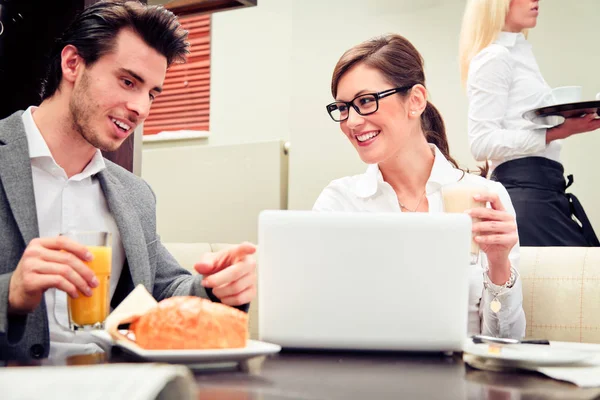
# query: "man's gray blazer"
132,203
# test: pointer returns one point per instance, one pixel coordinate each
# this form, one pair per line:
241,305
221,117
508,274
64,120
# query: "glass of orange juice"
90,312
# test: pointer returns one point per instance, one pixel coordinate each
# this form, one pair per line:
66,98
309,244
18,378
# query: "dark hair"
401,65
93,32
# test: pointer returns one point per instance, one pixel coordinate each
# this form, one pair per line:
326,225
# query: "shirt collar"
510,39
442,172
37,145
96,165
39,149
367,183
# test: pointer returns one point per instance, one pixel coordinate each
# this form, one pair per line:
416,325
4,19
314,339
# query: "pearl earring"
413,112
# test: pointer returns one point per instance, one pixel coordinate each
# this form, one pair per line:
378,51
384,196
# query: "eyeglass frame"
378,96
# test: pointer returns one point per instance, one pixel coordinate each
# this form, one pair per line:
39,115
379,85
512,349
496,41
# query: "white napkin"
582,376
585,374
144,381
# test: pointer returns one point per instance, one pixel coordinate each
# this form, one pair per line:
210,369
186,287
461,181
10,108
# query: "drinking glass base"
88,327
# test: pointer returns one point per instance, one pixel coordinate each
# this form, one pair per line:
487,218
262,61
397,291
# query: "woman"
503,81
381,106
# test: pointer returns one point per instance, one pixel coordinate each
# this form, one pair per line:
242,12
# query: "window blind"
185,100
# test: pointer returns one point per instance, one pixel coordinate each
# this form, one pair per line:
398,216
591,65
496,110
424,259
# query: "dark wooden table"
365,376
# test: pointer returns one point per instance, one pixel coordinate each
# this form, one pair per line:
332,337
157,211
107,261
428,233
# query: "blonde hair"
482,21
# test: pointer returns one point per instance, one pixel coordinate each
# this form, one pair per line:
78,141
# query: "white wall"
250,73
564,44
214,193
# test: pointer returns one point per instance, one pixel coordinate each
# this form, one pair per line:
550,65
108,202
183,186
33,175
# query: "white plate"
253,348
530,354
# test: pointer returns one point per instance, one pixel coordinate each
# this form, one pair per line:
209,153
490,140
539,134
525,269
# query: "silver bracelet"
495,304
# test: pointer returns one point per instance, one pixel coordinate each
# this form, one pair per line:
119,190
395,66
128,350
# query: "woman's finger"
491,198
485,213
494,227
497,239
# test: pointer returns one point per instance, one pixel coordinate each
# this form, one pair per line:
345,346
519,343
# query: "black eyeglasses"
364,104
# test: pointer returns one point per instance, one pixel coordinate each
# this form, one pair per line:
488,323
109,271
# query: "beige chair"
561,289
188,254
561,293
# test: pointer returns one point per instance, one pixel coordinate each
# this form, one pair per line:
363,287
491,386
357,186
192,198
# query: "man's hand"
49,263
231,273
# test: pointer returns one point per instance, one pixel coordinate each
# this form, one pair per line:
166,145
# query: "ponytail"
435,133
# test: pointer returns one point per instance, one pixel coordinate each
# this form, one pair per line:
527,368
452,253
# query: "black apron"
544,210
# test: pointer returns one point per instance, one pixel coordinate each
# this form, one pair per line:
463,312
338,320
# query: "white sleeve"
488,85
510,320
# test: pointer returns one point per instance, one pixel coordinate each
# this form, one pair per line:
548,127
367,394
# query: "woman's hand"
573,126
496,232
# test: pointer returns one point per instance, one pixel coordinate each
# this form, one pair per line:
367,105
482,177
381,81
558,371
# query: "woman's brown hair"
401,65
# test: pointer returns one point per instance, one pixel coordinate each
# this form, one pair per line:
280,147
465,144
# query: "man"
105,71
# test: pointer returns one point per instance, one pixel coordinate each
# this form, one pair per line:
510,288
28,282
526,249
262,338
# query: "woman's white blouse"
368,192
504,81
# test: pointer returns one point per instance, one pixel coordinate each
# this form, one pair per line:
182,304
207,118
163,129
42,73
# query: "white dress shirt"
504,81
64,204
368,192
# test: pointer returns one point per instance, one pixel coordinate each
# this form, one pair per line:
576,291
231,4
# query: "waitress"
503,81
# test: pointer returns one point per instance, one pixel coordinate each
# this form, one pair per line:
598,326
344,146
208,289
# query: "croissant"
188,322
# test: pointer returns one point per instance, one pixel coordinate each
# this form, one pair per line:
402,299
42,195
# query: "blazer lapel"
130,229
16,176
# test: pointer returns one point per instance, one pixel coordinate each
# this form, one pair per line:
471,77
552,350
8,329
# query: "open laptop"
366,281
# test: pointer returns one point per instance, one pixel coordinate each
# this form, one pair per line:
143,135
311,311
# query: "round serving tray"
556,114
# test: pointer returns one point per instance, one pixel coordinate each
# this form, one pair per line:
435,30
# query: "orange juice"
88,311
